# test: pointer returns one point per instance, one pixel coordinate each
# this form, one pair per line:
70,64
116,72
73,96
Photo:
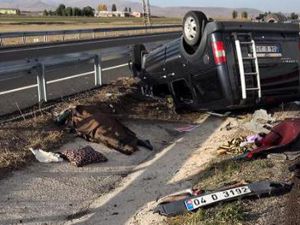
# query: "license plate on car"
208,199
268,51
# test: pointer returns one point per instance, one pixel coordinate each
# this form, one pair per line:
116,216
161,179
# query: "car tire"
194,23
138,51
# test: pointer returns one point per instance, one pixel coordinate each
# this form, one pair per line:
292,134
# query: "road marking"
70,77
115,67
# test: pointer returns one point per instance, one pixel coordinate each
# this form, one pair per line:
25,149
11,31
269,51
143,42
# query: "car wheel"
193,26
138,51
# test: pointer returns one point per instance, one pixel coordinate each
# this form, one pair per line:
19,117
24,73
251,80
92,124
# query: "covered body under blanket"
93,125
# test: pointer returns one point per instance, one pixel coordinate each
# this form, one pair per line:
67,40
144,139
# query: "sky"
264,5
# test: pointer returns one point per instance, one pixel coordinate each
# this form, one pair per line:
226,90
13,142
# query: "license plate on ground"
208,199
268,51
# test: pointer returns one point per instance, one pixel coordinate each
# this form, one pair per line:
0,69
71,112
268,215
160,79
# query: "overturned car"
223,65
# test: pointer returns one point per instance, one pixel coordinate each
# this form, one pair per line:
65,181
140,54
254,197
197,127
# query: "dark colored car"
223,65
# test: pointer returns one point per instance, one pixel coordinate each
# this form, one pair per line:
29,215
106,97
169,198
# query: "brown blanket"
91,124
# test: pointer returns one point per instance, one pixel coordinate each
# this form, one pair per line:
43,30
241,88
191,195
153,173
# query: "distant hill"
26,5
39,5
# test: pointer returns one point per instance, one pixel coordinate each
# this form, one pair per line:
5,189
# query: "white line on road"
70,77
115,67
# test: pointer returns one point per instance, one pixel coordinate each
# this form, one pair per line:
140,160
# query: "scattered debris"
180,195
296,169
93,125
259,189
285,156
297,102
219,114
84,156
259,121
279,157
229,126
279,139
187,128
233,147
46,157
108,94
252,139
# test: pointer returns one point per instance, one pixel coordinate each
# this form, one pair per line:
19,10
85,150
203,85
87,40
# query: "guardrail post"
98,70
24,39
45,38
1,41
41,83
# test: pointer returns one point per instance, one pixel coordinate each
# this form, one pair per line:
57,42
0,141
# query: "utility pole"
146,12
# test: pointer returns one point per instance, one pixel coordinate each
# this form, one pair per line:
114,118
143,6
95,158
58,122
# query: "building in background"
9,11
112,14
31,13
136,14
118,14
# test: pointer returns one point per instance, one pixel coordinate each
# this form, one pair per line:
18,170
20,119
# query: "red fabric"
281,136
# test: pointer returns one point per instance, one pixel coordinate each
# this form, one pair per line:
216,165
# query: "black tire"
194,23
137,56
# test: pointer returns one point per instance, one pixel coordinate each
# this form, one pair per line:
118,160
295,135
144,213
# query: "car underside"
223,65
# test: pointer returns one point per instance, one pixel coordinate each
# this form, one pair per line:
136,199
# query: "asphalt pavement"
114,62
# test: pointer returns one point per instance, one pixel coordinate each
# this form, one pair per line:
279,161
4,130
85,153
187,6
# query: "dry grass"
10,24
224,171
16,139
40,131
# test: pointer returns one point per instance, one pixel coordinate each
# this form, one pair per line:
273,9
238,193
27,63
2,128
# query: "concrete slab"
56,193
133,201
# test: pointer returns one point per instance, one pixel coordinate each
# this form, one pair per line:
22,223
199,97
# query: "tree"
234,14
77,12
244,15
114,8
88,11
294,16
126,9
69,11
45,13
51,13
102,7
129,10
60,11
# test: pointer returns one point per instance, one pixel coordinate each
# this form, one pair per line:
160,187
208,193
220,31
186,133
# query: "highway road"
114,63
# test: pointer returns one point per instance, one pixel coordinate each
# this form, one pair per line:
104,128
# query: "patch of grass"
231,213
39,131
218,173
225,172
74,20
17,138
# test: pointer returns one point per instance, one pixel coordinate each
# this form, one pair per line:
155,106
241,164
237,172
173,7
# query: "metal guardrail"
46,49
39,68
33,55
23,36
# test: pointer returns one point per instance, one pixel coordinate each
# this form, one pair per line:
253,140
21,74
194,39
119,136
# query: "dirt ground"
222,171
121,98
184,161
